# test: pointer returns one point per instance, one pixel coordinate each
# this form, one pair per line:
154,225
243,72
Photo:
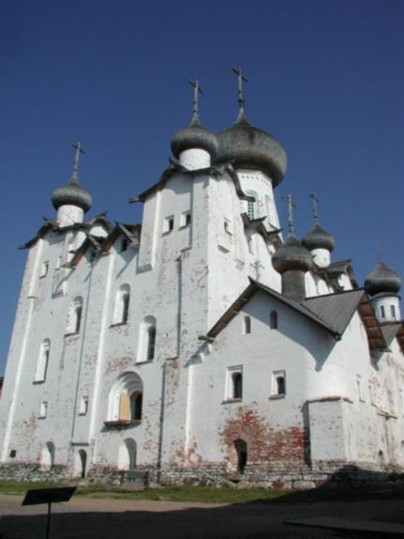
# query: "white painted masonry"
168,346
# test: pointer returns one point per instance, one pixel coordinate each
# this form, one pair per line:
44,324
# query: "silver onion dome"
382,279
292,255
318,238
72,194
249,147
195,136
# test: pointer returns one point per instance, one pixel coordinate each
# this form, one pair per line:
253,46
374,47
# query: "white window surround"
278,384
185,219
168,225
43,411
234,384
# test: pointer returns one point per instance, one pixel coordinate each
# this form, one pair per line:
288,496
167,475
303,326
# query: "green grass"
175,494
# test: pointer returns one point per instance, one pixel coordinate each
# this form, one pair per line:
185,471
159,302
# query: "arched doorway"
82,463
127,455
241,450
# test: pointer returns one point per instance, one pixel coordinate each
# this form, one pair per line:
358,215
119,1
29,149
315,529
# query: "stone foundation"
276,476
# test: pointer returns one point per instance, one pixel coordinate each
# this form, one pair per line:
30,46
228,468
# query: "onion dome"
292,256
382,279
194,136
72,194
318,238
249,147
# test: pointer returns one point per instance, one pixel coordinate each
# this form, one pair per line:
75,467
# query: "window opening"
251,209
136,406
273,320
43,361
382,311
43,412
393,311
278,384
83,406
44,269
74,318
237,380
151,342
247,325
168,224
124,245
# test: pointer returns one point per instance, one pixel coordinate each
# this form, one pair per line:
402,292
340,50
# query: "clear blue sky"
325,77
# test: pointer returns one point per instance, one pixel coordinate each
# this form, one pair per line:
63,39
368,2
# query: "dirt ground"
107,518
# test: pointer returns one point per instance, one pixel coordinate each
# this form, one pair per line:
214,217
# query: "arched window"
121,307
147,339
126,399
43,361
74,317
273,320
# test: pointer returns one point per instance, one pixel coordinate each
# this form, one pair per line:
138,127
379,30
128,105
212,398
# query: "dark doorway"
241,449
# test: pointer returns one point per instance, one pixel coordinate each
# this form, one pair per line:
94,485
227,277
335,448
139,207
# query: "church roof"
52,226
332,312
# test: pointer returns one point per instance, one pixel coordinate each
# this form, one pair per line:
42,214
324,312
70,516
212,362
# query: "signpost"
49,496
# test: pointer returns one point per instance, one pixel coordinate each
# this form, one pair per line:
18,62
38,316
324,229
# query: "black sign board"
48,495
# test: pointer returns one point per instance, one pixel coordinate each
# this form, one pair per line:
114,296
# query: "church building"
205,344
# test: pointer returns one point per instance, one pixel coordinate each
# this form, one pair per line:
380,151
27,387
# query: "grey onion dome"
72,194
292,255
318,238
195,136
249,147
382,279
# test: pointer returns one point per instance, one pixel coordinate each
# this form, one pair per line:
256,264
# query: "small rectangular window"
393,311
227,227
83,406
246,325
359,387
278,388
43,411
185,219
382,311
44,269
234,383
168,224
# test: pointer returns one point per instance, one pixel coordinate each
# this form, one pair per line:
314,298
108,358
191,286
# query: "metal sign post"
48,495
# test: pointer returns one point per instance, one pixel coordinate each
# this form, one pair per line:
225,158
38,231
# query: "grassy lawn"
175,494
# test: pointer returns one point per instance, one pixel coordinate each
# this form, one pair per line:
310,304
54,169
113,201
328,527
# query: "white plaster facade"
173,345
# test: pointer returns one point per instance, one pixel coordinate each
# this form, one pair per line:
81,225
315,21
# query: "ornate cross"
241,77
79,150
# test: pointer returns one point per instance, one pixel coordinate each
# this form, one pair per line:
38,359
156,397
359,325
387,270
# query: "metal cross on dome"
197,91
291,205
79,149
315,200
241,78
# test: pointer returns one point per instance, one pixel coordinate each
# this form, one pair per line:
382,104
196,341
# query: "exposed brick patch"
265,443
